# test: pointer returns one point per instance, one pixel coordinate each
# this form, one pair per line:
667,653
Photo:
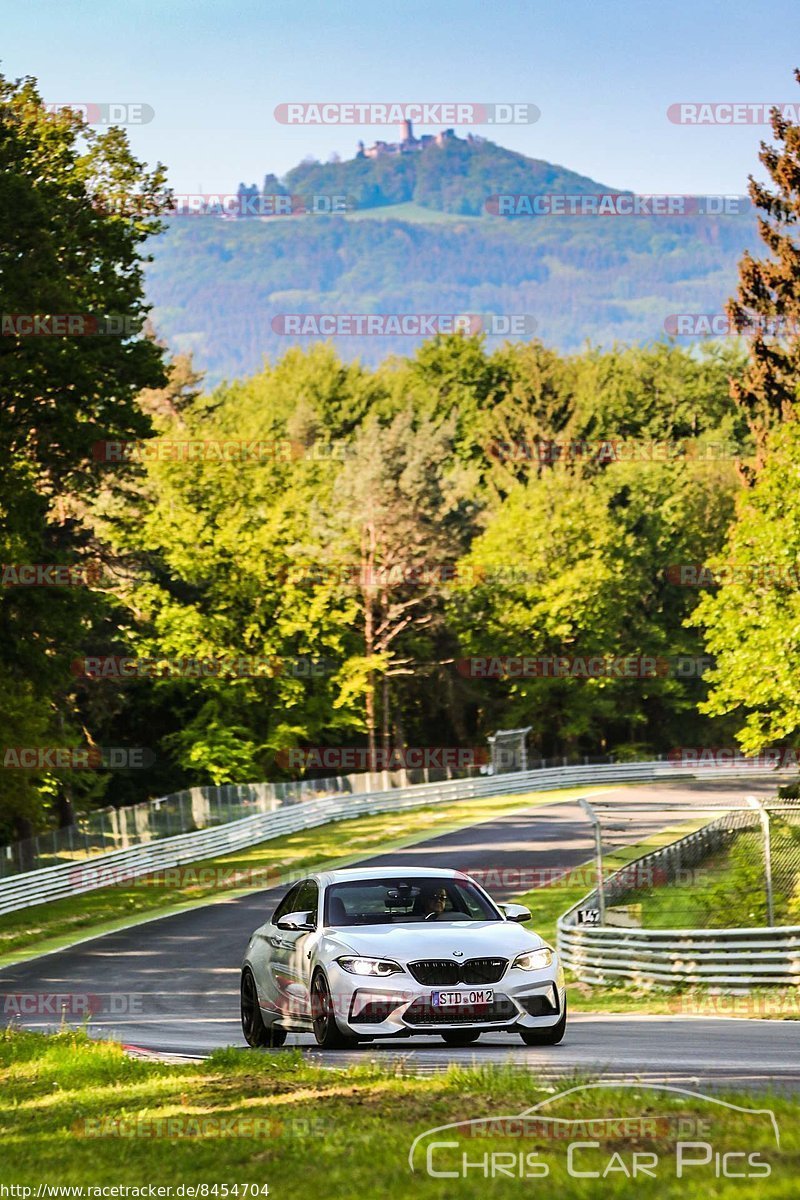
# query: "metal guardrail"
741,957
107,829
85,875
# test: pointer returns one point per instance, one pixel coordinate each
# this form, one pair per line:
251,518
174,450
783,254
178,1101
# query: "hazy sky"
602,74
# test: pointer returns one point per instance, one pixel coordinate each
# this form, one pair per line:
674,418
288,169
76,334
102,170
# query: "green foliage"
752,622
577,567
75,209
390,540
457,176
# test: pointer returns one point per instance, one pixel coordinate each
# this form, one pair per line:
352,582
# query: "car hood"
438,939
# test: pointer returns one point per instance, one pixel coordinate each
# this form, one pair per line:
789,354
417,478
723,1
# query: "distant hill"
456,177
421,241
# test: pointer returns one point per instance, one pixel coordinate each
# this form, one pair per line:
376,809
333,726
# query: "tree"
75,209
403,514
767,303
752,620
574,565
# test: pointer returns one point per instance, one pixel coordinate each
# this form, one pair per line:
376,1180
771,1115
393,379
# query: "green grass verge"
728,890
60,923
78,1112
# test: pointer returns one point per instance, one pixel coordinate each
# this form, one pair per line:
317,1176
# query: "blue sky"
602,74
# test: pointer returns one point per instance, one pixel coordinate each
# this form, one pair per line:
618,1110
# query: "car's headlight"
534,960
369,966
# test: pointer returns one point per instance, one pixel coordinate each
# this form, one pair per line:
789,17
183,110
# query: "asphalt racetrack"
174,981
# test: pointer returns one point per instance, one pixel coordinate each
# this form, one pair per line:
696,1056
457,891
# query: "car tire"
328,1034
463,1037
256,1033
546,1037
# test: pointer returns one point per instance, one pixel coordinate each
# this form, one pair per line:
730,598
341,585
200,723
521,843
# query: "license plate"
465,999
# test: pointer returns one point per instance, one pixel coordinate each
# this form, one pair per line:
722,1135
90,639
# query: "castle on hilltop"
409,144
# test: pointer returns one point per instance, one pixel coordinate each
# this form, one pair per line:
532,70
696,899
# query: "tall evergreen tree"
767,304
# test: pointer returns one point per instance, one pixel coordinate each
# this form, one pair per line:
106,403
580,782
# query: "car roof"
355,873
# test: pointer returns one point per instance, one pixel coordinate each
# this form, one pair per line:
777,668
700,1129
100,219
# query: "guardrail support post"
598,845
754,802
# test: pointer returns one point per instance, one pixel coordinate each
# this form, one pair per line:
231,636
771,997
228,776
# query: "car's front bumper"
377,1008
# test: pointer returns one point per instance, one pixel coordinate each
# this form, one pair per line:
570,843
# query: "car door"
300,948
265,953
289,955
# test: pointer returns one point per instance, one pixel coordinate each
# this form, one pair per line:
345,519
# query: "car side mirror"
296,921
516,912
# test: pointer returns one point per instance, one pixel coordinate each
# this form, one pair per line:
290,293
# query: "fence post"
598,846
754,802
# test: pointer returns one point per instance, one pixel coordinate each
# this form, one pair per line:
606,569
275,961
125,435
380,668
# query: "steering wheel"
431,916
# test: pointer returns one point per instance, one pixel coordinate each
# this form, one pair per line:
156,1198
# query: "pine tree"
766,307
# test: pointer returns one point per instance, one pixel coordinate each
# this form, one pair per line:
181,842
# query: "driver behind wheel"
432,902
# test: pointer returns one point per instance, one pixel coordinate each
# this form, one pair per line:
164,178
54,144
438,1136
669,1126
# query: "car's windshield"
406,899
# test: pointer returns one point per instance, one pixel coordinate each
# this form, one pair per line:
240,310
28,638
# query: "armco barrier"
104,830
85,875
728,958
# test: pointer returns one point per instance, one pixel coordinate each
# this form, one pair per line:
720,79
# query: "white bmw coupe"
359,954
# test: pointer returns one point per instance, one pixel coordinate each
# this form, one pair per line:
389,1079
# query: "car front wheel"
256,1033
546,1037
326,1031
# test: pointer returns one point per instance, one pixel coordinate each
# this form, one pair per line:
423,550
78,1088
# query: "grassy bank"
728,888
77,1112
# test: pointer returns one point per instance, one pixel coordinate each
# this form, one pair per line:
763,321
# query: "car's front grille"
436,972
423,1013
483,970
443,972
